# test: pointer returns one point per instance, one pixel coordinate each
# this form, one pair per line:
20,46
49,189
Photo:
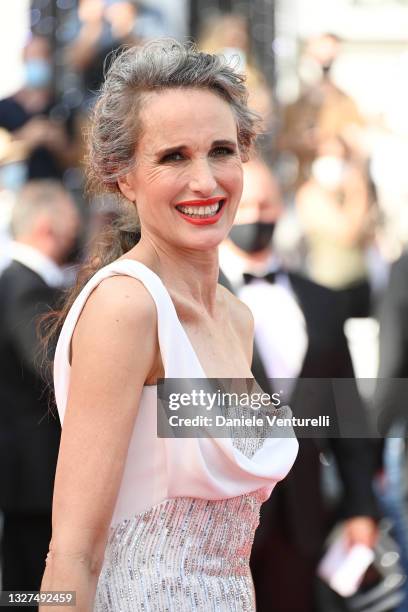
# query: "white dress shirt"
39,263
280,328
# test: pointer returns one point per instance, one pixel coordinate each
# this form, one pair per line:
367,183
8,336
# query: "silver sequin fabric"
185,554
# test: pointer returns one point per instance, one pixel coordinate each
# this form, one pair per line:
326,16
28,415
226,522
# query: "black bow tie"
269,277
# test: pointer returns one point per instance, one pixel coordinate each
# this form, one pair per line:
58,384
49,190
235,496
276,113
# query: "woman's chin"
206,243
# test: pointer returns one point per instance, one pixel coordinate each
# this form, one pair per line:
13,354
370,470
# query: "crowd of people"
312,247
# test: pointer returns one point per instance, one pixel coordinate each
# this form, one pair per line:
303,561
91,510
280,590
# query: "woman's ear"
125,184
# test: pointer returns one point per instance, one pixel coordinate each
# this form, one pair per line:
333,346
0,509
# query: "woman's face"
187,180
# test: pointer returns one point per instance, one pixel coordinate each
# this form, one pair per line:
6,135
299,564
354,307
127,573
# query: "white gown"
187,509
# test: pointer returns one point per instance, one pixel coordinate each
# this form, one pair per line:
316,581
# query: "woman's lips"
202,203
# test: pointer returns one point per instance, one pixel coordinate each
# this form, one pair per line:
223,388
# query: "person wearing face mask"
45,224
248,252
297,335
252,237
49,145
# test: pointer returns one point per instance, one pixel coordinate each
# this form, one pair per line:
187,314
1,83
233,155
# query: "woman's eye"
170,157
222,151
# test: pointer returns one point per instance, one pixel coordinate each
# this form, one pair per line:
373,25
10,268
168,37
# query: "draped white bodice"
159,469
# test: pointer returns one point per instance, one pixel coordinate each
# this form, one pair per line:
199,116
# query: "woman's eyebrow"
223,143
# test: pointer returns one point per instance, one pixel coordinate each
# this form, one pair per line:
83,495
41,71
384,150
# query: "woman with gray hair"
142,522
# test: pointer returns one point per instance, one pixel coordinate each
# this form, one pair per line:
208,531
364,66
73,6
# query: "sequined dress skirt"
185,554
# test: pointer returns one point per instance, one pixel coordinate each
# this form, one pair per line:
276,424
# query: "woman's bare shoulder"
121,296
120,308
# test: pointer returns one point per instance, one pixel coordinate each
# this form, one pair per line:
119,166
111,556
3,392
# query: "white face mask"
329,171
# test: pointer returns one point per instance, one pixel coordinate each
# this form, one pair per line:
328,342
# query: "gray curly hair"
158,65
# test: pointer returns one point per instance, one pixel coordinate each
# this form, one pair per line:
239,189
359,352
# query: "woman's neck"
189,273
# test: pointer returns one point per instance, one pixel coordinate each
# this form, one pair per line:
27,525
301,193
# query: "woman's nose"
202,178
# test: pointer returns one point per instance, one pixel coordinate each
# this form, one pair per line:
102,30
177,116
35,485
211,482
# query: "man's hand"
361,530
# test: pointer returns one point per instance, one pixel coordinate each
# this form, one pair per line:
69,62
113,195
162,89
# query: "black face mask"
252,237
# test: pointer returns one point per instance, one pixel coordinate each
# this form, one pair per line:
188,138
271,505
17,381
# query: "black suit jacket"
327,357
29,433
297,505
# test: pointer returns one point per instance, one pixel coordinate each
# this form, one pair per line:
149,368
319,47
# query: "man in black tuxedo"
45,224
298,334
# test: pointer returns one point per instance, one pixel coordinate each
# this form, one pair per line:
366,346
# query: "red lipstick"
204,220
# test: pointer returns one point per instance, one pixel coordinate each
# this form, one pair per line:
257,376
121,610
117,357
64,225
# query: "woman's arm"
114,349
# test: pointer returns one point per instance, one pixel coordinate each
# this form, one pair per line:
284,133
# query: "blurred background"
338,99
329,79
